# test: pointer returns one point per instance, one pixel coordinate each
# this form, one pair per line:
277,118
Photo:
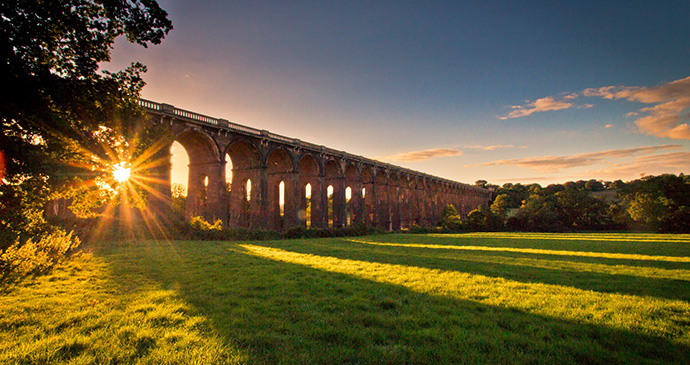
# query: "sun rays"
126,181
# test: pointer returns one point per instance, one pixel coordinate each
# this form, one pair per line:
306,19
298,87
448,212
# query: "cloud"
557,163
491,148
540,105
528,179
424,155
667,118
609,126
673,163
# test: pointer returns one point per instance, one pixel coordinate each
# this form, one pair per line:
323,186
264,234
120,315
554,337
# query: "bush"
420,230
32,258
450,219
295,232
201,224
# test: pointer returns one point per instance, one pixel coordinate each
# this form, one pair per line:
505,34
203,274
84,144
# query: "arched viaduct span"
264,163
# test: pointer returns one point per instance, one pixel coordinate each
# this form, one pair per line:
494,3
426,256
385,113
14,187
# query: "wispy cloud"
667,117
609,126
493,147
540,105
674,163
423,155
557,163
520,179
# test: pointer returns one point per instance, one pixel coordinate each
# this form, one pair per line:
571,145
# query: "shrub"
199,223
35,257
450,219
295,232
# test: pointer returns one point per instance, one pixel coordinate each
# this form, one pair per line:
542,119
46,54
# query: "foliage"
199,223
35,257
653,203
501,205
450,219
22,211
659,203
483,220
64,123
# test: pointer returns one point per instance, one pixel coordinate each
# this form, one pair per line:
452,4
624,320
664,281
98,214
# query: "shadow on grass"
474,262
288,313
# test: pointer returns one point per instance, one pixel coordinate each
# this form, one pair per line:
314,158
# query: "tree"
594,185
500,205
577,210
480,183
63,121
482,220
659,203
537,213
450,219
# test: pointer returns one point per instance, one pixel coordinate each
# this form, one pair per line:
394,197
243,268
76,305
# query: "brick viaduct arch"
263,163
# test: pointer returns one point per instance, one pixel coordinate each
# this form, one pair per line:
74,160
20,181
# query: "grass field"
467,298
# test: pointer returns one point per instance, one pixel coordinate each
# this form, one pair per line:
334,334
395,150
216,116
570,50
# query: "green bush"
35,257
450,219
199,223
295,232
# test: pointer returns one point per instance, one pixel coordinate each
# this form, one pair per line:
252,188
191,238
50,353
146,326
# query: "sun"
121,173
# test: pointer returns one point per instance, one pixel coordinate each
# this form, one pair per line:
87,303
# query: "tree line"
652,203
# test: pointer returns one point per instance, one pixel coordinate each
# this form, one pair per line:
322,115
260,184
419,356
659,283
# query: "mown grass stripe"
683,238
642,314
562,265
621,256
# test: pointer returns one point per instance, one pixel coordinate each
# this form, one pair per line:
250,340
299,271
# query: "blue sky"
524,91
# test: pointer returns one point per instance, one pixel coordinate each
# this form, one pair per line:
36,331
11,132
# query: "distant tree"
578,210
659,203
480,183
649,210
594,185
553,189
501,205
483,220
534,189
516,193
537,213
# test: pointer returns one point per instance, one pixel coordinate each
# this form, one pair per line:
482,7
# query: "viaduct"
319,187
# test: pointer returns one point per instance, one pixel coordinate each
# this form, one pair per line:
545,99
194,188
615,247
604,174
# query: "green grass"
467,298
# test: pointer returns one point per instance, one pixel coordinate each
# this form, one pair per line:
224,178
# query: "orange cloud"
540,105
557,163
424,155
666,118
665,163
491,148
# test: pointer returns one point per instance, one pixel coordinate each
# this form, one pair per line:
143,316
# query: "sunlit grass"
532,251
378,299
82,314
647,315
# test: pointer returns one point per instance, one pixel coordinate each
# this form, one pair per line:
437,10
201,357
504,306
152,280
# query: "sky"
504,91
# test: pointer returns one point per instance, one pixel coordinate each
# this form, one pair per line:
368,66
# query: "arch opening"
280,172
310,190
348,206
329,193
197,176
307,207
